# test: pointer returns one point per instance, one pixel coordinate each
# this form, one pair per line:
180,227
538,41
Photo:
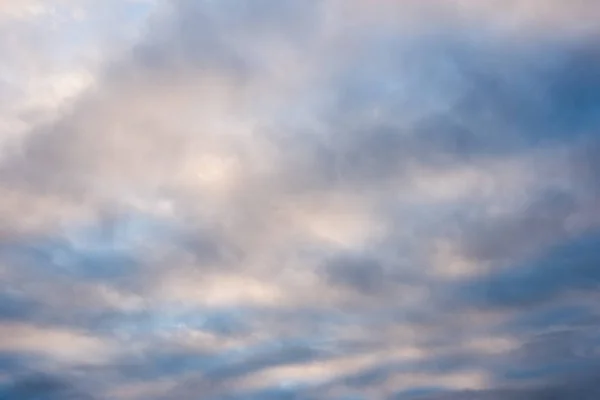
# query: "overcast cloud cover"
299,199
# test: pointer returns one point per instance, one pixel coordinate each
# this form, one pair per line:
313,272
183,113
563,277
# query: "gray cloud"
42,387
569,266
361,273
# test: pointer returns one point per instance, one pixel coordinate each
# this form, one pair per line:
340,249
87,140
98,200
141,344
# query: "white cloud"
58,345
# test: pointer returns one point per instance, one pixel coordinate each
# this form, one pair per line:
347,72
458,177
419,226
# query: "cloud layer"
290,199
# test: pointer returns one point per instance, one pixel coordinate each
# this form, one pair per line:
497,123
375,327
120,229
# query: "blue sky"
286,199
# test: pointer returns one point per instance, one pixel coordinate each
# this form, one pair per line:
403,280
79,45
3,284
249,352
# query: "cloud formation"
299,199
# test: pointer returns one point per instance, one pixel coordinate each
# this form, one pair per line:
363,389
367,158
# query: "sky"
299,199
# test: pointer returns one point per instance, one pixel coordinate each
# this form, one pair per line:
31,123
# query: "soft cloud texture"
299,199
